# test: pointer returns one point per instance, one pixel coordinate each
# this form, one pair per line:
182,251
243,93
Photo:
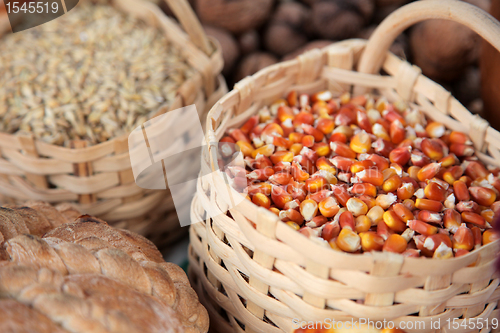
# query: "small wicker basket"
257,279
99,178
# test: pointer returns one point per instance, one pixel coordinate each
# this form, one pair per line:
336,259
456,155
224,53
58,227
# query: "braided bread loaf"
86,276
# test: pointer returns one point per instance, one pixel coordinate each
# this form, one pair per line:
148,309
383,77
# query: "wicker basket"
257,279
99,179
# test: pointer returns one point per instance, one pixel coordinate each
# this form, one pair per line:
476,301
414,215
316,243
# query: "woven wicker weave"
256,279
99,178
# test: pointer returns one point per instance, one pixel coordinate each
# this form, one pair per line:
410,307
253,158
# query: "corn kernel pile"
361,174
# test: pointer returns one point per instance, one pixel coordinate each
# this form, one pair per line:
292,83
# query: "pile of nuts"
92,74
361,174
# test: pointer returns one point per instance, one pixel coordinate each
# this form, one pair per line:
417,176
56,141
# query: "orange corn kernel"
262,162
264,188
293,225
346,220
422,227
467,206
361,165
429,217
323,163
384,148
482,195
405,191
297,173
273,129
261,200
393,221
341,194
419,159
266,150
383,230
413,172
370,241
280,178
459,137
478,237
400,155
320,195
375,214
363,121
295,137
395,243
317,221
285,113
435,192
463,238
461,253
363,224
409,253
461,150
296,148
403,212
321,148
388,173
476,170
291,215
330,231
280,197
325,125
281,156
280,141
372,176
308,141
473,218
364,188
435,129
453,174
432,242
308,209
227,139
392,184
238,135
342,163
316,184
294,204
460,190
490,236
250,124
379,131
328,207
275,211
342,149
348,241
316,133
356,207
386,200
246,148
392,116
443,252
370,202
292,98
428,171
361,143
449,160
410,204
381,162
488,215
303,117
432,149
397,132
426,204
466,179
261,174
338,137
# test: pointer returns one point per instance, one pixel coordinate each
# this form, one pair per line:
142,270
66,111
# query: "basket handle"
191,24
382,38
